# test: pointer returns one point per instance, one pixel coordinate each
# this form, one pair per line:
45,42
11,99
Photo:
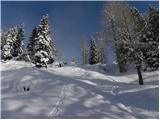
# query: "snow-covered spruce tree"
30,46
101,45
3,39
8,48
18,45
151,38
84,51
94,56
42,48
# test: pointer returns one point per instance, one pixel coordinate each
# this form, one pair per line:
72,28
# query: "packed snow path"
76,92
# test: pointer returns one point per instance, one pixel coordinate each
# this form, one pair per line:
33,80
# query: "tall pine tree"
94,57
3,40
8,45
18,45
101,45
30,46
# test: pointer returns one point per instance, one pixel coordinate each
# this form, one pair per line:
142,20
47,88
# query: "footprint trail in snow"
57,109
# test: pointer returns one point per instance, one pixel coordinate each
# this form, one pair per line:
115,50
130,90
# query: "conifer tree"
3,39
18,45
30,46
41,46
151,38
101,45
8,48
94,57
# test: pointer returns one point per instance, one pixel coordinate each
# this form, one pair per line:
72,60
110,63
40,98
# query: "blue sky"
68,20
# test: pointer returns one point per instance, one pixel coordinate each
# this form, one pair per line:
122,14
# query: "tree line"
40,49
134,36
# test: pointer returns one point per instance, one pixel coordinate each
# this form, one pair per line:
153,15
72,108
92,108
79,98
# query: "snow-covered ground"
76,92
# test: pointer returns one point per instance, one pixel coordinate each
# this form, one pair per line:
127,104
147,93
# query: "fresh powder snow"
76,92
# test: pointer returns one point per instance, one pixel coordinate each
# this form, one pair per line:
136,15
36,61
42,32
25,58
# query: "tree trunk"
121,66
139,75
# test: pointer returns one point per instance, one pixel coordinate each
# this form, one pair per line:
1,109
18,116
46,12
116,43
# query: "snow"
76,92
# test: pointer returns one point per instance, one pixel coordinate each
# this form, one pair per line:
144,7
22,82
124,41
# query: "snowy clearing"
76,92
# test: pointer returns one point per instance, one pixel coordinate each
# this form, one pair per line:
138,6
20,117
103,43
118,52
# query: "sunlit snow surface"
76,92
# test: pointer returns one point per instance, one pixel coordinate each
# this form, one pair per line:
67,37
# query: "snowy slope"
76,92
